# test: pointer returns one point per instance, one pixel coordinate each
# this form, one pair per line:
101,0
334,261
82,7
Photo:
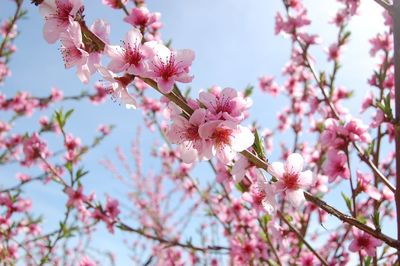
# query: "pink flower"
168,66
336,165
116,4
267,84
23,177
112,208
357,131
382,42
291,180
118,87
130,57
224,105
56,95
261,194
240,168
101,94
364,243
364,183
75,197
58,14
73,51
367,102
227,138
34,148
86,261
334,52
186,133
141,17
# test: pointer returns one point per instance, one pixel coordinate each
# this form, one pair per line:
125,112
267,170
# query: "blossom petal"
296,197
276,169
294,163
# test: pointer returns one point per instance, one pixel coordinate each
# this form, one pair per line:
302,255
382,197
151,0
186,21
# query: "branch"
352,221
384,4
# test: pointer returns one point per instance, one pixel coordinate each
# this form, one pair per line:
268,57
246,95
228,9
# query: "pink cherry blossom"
118,87
382,42
240,168
334,52
86,261
335,165
141,17
292,181
130,57
76,197
261,194
34,148
167,67
227,138
115,3
268,85
225,105
73,51
186,133
364,243
58,14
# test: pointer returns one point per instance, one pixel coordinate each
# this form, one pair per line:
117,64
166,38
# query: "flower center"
291,181
222,136
132,55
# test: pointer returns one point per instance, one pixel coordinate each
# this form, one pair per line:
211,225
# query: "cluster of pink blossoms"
135,57
213,129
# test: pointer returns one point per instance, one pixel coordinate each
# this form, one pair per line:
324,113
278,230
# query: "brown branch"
352,221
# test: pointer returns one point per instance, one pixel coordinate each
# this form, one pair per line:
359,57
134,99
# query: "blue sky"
234,43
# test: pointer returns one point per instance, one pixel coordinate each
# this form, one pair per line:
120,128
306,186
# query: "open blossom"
34,148
227,138
382,42
335,165
86,261
76,197
141,17
118,87
292,181
167,67
115,3
225,105
364,243
334,52
240,168
261,194
58,14
73,51
130,57
186,133
267,84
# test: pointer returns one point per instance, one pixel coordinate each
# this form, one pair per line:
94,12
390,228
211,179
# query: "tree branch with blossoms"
272,220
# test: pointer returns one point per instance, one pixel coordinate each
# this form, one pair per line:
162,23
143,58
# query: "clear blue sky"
234,43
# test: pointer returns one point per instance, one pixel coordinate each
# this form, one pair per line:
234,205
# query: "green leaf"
68,114
80,173
259,145
248,91
376,220
68,166
367,261
240,187
362,219
347,200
